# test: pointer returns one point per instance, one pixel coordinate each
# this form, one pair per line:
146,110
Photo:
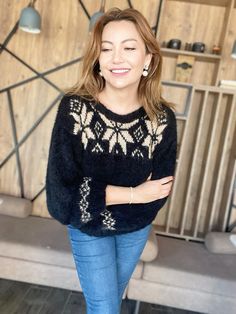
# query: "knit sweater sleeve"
164,157
70,194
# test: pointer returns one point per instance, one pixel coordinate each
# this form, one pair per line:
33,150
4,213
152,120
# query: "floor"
23,298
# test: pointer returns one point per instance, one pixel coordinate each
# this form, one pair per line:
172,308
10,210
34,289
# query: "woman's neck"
119,101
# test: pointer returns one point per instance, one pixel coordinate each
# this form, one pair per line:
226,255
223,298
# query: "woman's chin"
121,84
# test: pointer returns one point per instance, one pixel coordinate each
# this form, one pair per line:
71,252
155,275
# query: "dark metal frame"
38,75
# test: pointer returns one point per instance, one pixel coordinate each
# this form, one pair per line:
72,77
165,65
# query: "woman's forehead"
120,30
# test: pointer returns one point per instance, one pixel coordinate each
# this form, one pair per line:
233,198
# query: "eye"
105,49
130,48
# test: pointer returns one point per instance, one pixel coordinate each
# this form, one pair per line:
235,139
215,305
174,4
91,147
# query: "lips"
120,71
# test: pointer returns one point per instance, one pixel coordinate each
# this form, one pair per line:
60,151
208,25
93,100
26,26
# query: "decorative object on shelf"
97,15
198,47
184,67
216,50
30,20
233,53
188,46
174,44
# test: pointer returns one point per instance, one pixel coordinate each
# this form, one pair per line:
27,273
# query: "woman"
112,156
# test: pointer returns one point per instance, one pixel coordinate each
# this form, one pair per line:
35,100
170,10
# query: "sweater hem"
106,232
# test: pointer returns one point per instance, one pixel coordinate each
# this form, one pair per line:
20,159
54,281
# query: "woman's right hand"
152,190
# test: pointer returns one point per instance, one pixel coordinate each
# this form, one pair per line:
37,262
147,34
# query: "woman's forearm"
117,195
146,192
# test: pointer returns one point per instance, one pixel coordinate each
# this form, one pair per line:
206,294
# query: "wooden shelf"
220,3
205,57
199,87
177,83
182,118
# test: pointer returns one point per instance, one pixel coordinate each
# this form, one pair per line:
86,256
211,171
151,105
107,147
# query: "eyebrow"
123,41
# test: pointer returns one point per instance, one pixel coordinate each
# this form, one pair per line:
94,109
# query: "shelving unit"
200,199
193,21
206,115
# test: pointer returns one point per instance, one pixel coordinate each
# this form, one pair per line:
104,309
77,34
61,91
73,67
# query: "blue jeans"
105,265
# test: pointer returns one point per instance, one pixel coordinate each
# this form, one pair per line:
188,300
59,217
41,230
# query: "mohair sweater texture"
92,147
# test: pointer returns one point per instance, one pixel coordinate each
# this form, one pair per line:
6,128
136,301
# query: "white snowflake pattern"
83,124
117,133
154,136
108,221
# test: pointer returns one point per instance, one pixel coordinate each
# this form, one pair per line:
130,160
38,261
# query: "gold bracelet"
131,195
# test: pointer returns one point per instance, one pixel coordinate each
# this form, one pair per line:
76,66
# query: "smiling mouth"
119,71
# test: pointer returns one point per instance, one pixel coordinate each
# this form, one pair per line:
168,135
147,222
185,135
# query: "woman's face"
123,55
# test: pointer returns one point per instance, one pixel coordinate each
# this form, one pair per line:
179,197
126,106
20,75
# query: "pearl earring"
100,73
145,70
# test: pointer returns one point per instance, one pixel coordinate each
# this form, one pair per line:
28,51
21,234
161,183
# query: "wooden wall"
35,68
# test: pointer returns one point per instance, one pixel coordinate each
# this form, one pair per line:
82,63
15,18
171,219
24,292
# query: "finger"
163,195
167,186
169,183
165,191
166,180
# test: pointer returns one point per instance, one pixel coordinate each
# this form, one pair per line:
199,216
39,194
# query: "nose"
117,56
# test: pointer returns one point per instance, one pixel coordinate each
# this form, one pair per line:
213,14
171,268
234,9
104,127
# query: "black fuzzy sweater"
92,147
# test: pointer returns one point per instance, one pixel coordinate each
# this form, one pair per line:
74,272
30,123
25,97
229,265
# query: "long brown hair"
91,83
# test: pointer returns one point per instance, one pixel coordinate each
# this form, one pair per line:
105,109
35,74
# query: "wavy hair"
91,83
